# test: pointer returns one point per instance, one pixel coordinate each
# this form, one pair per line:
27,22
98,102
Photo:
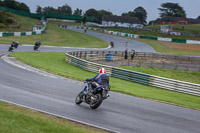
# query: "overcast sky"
117,7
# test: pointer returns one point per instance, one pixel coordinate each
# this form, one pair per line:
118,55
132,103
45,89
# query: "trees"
104,12
39,9
24,7
138,12
141,14
77,12
97,14
92,13
65,9
172,9
198,17
14,5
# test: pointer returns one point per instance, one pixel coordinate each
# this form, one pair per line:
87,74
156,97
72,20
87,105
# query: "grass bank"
193,77
15,119
55,36
194,28
151,33
26,24
55,63
161,48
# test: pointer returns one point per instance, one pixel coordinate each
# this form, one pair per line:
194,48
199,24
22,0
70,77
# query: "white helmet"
102,70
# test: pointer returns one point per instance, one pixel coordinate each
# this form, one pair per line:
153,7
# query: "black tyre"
10,49
95,104
78,98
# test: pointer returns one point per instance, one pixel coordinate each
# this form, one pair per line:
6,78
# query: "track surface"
119,113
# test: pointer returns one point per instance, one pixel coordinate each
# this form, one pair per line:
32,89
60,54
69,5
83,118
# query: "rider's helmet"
102,70
17,42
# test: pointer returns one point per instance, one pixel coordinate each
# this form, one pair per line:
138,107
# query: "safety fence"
143,59
118,55
146,79
143,36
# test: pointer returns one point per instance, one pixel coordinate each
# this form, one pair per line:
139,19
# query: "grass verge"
152,33
187,76
160,47
194,28
55,36
15,119
26,24
55,63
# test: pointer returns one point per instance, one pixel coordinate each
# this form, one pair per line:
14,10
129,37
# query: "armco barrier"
146,79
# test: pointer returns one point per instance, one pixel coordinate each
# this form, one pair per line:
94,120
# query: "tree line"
15,5
166,9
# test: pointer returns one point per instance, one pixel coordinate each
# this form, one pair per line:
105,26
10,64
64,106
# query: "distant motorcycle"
13,46
93,97
37,45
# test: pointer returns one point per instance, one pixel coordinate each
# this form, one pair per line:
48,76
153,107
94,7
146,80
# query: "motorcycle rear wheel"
78,98
94,105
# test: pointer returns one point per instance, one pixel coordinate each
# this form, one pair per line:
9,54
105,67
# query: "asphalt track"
119,113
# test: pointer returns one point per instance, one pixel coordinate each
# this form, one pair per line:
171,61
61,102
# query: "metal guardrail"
146,79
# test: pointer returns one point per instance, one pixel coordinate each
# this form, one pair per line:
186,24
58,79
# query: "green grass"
194,28
26,24
55,63
187,76
160,47
14,119
151,33
55,36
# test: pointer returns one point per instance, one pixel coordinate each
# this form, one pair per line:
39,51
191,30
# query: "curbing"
5,34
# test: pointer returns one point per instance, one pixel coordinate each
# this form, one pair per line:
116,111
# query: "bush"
9,21
9,14
2,25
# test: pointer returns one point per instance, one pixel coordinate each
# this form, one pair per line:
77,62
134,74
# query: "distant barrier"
146,79
144,36
6,34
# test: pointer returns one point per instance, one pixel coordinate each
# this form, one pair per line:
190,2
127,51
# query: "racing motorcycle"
13,46
94,97
37,45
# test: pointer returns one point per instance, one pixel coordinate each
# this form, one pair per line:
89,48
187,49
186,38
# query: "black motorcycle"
13,46
10,49
37,45
93,97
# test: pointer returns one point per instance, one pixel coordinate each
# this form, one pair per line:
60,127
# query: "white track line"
59,116
65,47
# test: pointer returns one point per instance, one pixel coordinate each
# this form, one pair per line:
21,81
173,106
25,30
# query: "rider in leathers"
101,79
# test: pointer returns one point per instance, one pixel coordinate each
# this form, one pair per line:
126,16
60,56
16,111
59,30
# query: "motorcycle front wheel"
78,98
97,102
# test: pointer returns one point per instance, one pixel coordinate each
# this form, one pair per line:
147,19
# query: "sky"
117,7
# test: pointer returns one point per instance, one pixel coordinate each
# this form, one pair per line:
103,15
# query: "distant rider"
101,79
